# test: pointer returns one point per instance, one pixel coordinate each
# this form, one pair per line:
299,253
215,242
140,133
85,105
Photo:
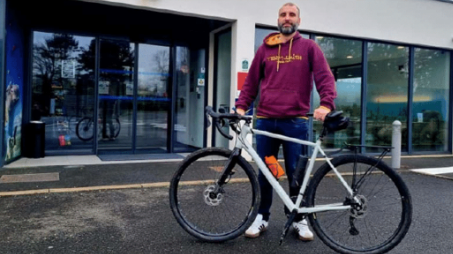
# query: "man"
283,69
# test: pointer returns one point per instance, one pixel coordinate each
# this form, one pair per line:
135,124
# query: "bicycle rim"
220,217
376,227
84,129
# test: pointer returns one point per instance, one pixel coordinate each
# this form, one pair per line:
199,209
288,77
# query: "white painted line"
434,171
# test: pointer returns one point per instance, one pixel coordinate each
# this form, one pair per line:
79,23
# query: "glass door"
190,99
116,94
153,98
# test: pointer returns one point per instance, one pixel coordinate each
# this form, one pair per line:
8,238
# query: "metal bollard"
396,144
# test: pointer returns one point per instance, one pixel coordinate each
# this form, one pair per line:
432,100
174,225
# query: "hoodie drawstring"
289,53
290,46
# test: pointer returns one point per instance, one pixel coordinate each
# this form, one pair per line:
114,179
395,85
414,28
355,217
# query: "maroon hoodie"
286,72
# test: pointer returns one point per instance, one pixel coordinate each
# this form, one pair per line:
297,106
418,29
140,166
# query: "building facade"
134,76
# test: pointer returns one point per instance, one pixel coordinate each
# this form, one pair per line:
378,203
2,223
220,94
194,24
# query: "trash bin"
34,139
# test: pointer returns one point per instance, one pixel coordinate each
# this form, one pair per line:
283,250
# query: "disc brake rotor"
360,211
212,198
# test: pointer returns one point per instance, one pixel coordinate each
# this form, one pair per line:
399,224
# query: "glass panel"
63,87
153,98
430,100
387,93
116,95
345,60
189,112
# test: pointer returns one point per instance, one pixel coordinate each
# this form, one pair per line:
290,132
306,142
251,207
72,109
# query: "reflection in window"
386,93
345,60
430,100
62,87
153,97
115,92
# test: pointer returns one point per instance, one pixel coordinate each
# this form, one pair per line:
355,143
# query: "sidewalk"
83,173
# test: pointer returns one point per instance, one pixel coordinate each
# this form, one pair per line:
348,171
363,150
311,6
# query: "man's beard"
287,30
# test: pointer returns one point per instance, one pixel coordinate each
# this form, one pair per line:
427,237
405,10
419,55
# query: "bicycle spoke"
380,201
335,220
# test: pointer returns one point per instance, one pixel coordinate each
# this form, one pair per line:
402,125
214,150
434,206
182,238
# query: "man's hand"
240,111
320,113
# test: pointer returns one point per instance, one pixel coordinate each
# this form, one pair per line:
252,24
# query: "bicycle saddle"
335,121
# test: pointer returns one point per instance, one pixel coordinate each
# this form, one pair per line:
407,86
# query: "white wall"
420,22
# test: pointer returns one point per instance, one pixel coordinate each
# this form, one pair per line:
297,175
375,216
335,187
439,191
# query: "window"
387,93
345,60
430,103
63,87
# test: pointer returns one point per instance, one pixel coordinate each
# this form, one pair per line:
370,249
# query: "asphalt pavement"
140,221
124,208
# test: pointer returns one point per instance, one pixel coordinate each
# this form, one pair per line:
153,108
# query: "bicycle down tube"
243,143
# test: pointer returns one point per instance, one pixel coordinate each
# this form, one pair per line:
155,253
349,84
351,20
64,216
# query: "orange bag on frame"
274,166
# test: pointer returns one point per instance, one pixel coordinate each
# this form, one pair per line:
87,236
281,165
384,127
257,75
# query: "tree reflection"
47,64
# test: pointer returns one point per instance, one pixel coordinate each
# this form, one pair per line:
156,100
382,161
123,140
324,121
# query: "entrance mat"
131,157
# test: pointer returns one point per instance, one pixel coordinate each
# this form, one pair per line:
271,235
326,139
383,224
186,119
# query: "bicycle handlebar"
334,121
219,119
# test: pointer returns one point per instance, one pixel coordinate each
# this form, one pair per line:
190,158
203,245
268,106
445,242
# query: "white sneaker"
303,231
258,226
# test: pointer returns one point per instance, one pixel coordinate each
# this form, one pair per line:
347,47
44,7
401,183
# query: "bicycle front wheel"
207,210
382,219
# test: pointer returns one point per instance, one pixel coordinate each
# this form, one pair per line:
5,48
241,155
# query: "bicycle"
355,203
84,128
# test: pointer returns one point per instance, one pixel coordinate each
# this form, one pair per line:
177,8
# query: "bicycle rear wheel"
209,215
379,224
84,129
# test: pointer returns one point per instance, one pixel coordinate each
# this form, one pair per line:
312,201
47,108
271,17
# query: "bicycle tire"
383,192
83,127
219,219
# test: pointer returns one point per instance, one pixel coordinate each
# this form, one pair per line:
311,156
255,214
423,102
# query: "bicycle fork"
227,171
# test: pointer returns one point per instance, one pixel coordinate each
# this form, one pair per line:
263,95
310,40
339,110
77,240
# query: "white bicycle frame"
242,143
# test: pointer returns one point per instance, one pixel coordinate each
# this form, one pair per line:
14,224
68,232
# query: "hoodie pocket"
278,102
